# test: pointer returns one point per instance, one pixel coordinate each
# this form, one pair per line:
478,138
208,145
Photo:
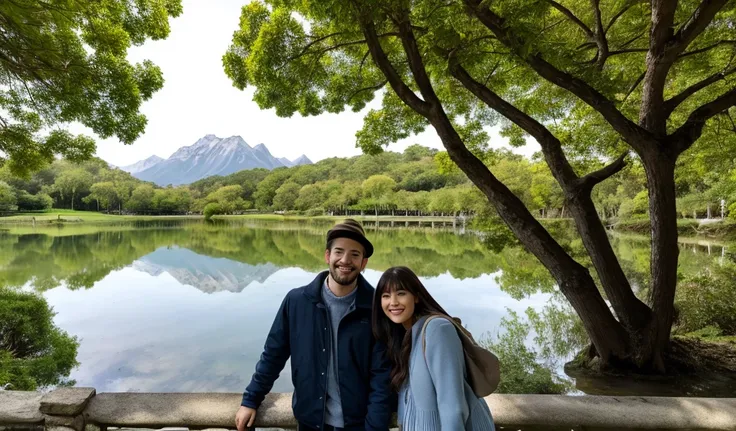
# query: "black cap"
351,229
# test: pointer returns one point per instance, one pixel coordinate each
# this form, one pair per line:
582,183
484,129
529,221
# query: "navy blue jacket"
302,330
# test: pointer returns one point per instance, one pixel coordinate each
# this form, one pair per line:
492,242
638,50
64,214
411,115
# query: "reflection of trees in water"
46,261
79,261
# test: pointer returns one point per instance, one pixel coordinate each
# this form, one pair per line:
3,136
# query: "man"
340,374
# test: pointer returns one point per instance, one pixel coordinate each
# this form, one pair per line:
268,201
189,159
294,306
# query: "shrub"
212,209
708,298
34,353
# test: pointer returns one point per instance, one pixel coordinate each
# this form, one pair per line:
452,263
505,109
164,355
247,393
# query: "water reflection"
179,306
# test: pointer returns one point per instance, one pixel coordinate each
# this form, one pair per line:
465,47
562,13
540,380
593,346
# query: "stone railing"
80,409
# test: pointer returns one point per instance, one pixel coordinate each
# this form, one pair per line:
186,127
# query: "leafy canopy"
65,60
311,57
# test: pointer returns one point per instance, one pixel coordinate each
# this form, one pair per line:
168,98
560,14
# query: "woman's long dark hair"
396,338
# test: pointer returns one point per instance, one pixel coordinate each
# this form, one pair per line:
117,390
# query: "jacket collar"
363,298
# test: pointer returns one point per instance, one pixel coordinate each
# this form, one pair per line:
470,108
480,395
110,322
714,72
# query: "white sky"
199,99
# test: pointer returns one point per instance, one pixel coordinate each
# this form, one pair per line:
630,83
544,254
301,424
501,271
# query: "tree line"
420,181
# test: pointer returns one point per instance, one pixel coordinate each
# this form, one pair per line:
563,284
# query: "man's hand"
245,418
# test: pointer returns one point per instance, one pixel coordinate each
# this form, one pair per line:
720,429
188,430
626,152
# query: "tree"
171,200
66,61
266,189
104,193
228,199
443,201
377,190
141,199
311,196
286,196
7,197
417,152
34,353
585,80
73,182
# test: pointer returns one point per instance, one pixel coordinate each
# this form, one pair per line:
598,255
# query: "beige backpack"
482,366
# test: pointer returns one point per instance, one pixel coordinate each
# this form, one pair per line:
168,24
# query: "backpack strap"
424,328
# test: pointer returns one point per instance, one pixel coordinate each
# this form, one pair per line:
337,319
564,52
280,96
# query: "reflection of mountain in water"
208,274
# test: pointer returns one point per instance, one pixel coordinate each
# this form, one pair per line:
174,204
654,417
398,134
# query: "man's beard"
343,279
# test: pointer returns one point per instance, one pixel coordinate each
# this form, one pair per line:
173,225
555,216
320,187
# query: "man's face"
345,260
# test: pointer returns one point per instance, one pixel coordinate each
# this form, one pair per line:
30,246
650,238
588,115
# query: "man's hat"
351,229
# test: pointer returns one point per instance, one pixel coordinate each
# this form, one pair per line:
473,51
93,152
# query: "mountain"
142,165
209,156
302,160
286,162
208,274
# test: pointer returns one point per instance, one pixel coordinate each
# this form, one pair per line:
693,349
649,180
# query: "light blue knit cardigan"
436,396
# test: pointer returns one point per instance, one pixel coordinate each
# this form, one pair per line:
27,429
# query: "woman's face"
398,306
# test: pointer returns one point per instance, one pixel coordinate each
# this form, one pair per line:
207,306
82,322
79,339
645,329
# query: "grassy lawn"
382,218
69,216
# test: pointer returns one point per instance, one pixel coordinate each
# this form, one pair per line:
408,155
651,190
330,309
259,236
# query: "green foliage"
29,202
285,196
521,370
378,187
142,198
65,62
73,182
496,235
8,199
34,353
707,297
212,209
228,199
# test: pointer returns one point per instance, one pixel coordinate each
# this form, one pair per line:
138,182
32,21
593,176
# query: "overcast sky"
199,99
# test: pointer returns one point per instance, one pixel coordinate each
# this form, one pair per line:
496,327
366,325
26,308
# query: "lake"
185,306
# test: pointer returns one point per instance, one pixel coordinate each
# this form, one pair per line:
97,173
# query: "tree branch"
707,48
633,86
402,90
600,35
596,177
627,51
618,15
658,65
629,130
372,87
664,49
416,64
551,146
697,22
671,104
571,16
689,132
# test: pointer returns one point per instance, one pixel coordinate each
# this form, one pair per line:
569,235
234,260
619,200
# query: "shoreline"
690,231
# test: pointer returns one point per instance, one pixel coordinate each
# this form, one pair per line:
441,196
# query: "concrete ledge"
202,410
66,401
615,412
18,407
217,410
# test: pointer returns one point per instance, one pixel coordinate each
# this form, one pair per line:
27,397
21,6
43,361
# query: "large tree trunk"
606,333
660,171
632,312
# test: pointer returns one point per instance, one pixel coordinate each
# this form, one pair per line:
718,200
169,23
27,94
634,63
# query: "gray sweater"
436,396
337,306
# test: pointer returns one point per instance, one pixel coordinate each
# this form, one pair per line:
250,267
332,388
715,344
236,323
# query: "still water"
186,306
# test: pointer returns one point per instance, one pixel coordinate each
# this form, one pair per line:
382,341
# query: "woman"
431,378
